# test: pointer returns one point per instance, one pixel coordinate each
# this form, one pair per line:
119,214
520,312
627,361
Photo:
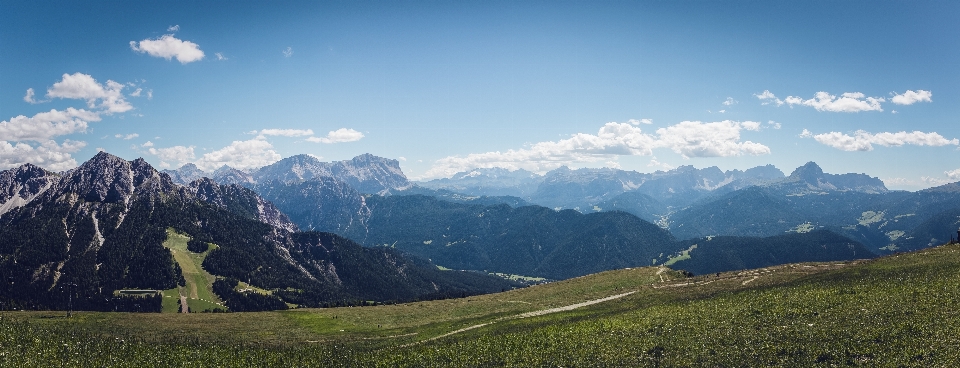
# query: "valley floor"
892,311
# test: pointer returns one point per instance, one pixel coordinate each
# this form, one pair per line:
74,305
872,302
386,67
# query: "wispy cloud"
288,52
126,136
287,132
766,97
28,98
220,56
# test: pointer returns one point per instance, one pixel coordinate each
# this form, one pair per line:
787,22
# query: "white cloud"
48,154
750,125
150,94
287,132
823,101
953,174
127,136
341,135
401,158
83,87
174,28
148,144
45,125
730,101
220,56
719,139
181,154
766,97
864,141
773,124
137,92
847,102
29,97
911,97
691,139
169,47
654,163
247,154
288,52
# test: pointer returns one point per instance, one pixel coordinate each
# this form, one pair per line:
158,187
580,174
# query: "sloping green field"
893,311
199,288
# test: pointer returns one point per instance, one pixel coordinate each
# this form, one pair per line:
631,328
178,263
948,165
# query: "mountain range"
101,227
319,233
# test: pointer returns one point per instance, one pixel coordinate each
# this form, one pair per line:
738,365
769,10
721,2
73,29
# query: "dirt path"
184,307
530,314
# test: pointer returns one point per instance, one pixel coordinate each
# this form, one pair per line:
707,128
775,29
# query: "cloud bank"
846,102
864,141
688,138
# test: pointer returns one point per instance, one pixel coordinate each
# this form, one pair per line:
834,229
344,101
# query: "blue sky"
857,86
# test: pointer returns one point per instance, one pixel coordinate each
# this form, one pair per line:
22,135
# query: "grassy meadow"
893,311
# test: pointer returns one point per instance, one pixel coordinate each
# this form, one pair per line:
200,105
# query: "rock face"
21,185
186,174
366,173
240,200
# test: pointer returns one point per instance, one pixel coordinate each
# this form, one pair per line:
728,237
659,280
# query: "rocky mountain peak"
228,175
766,172
811,177
809,173
109,179
185,174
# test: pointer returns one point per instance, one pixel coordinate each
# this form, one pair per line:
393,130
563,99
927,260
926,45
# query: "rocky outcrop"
20,185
